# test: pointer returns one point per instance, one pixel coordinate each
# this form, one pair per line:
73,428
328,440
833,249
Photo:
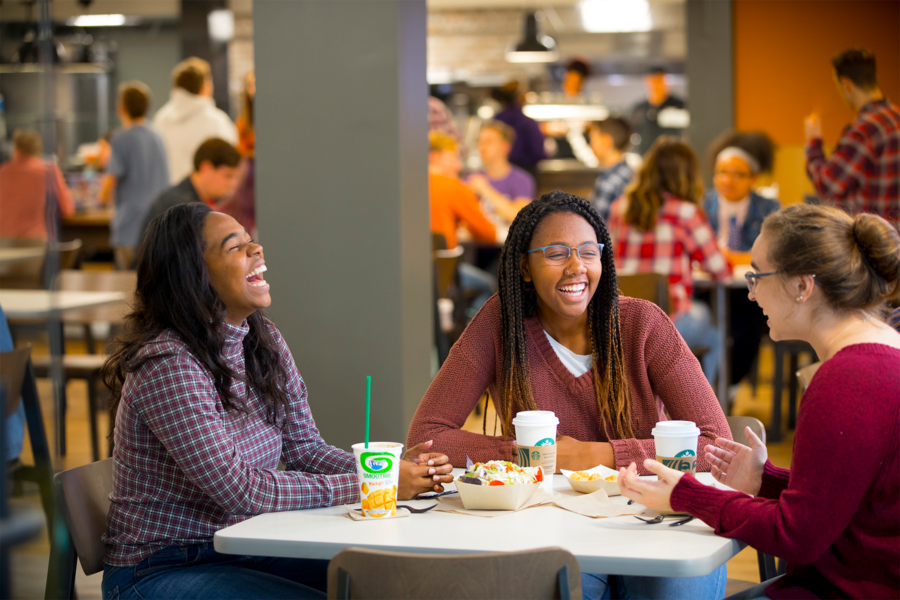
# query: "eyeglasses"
557,255
732,175
753,278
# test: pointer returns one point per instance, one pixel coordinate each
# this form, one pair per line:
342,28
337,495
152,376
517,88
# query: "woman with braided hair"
559,337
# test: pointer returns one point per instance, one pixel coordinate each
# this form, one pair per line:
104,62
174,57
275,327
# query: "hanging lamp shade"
533,48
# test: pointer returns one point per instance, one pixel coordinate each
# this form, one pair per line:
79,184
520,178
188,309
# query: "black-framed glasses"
557,254
753,278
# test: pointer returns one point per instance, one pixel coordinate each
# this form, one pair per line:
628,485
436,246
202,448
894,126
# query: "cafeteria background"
333,169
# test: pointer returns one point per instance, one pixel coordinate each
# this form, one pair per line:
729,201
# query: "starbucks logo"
687,452
546,442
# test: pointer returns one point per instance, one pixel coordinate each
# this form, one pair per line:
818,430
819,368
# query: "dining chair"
78,280
543,573
653,287
447,287
17,377
83,503
768,566
791,349
88,366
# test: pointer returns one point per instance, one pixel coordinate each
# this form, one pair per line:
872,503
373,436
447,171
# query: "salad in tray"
500,472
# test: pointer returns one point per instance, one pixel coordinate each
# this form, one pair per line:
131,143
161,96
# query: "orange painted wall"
783,51
782,70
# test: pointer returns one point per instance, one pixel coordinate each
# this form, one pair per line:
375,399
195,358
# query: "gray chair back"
544,573
84,500
737,425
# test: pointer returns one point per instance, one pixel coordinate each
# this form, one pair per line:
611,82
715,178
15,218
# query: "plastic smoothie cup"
676,444
378,467
536,442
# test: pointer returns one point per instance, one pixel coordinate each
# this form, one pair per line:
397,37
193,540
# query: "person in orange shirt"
24,196
453,204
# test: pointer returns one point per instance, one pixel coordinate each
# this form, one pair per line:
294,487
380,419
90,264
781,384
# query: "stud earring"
799,298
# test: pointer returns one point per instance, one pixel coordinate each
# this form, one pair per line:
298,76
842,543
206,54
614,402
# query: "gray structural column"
710,73
342,203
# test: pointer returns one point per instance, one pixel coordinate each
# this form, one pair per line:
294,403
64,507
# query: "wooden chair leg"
92,415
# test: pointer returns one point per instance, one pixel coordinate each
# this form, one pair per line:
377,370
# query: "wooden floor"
29,562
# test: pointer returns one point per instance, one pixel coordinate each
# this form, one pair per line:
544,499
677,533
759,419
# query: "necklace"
828,345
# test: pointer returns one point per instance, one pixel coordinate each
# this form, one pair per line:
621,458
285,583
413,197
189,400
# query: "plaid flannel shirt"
682,235
184,467
863,173
609,185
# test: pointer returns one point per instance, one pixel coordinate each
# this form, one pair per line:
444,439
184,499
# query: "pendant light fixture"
533,48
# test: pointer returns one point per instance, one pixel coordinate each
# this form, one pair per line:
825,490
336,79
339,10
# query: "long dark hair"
174,293
669,166
517,300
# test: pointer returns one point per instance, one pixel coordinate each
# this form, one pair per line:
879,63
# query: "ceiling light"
97,20
221,25
604,16
533,48
561,112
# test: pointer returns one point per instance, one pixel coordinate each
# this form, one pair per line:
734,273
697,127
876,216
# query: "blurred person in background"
137,169
504,187
242,204
190,117
528,146
453,204
863,172
645,117
736,214
441,119
610,139
659,227
215,176
28,209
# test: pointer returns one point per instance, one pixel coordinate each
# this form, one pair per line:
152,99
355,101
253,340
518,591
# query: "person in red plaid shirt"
863,173
658,227
207,401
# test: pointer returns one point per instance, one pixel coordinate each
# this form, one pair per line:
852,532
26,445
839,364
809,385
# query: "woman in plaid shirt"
207,401
659,227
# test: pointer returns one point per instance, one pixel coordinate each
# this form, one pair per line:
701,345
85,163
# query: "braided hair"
518,302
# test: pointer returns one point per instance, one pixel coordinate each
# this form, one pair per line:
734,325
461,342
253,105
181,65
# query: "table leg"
57,376
721,298
774,432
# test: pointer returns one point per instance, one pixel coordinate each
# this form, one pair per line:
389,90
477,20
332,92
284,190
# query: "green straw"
368,405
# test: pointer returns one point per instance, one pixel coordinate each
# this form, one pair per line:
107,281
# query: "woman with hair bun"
823,277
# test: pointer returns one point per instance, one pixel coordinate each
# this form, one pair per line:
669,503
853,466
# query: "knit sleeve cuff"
774,481
700,500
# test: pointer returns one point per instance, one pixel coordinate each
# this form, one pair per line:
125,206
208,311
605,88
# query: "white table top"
621,545
8,255
41,303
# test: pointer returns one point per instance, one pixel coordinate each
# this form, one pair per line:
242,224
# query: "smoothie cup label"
378,467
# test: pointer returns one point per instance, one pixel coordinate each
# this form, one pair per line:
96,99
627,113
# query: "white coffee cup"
676,444
536,441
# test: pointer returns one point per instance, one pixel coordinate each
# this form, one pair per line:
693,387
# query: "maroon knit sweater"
662,374
835,515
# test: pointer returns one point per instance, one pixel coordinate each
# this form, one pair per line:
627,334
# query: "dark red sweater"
662,374
835,515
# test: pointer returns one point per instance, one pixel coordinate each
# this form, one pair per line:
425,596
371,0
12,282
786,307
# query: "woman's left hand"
652,494
422,471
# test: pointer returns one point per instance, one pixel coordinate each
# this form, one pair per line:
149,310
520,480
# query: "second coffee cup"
676,444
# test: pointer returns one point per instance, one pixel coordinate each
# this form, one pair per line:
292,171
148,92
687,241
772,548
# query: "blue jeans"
696,327
482,283
604,587
199,572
